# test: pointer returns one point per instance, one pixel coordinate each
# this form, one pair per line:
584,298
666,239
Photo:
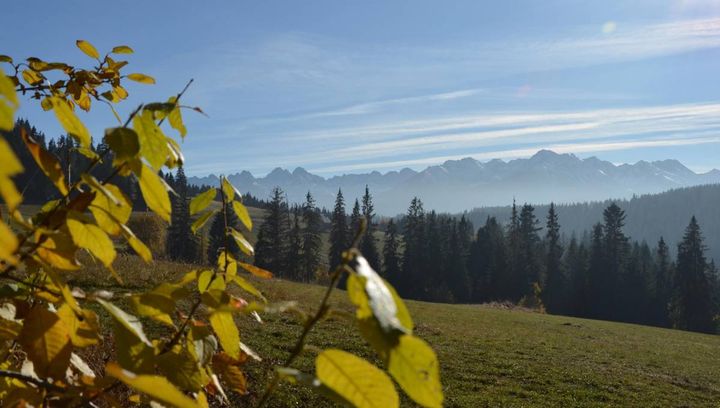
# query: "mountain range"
459,185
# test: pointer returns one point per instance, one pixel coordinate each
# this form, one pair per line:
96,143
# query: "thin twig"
31,380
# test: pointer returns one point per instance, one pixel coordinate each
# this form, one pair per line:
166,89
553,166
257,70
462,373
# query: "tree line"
601,274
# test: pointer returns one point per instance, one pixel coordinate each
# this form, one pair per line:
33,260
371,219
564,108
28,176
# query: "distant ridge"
458,185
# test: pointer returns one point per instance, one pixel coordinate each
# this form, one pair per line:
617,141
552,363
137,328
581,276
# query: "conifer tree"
272,243
312,242
528,255
294,259
391,257
368,245
616,249
576,259
458,252
662,290
554,293
181,244
692,303
355,217
409,284
488,264
598,302
338,232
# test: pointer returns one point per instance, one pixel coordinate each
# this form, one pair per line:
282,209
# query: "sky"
355,86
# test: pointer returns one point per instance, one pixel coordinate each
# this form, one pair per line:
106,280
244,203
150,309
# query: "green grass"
489,356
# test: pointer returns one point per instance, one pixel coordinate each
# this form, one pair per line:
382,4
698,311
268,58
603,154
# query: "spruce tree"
355,217
413,260
294,261
272,242
312,242
488,264
368,245
516,283
662,291
338,232
391,257
528,256
616,255
598,302
692,303
458,278
554,293
576,259
181,244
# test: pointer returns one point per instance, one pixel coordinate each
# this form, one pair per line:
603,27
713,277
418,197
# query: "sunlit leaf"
175,118
122,49
227,332
259,272
356,380
248,287
243,243
128,321
414,365
8,244
142,78
202,200
46,340
87,48
70,121
227,189
153,146
47,162
111,208
243,214
92,238
154,386
8,102
84,330
32,77
154,192
136,244
380,298
201,221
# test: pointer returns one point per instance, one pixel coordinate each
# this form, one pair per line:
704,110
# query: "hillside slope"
496,357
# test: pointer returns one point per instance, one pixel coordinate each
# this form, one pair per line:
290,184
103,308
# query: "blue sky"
353,86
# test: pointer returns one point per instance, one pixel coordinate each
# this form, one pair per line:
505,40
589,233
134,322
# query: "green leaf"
70,121
180,367
92,238
128,321
201,221
124,142
414,365
356,380
142,78
202,200
154,192
156,387
87,48
243,214
122,49
227,332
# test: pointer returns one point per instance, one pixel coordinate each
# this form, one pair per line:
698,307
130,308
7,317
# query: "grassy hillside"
489,356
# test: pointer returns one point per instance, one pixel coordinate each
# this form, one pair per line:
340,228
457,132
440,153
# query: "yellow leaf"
128,321
122,49
202,200
70,121
137,245
227,189
153,146
10,167
227,332
248,287
59,251
179,366
46,340
83,333
154,192
123,142
142,78
92,238
8,102
201,221
356,380
87,48
32,77
414,366
243,214
175,118
111,208
83,101
379,297
155,306
156,387
8,244
243,243
229,371
47,162
259,272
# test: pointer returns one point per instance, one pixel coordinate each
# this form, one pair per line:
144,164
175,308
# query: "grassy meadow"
489,355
